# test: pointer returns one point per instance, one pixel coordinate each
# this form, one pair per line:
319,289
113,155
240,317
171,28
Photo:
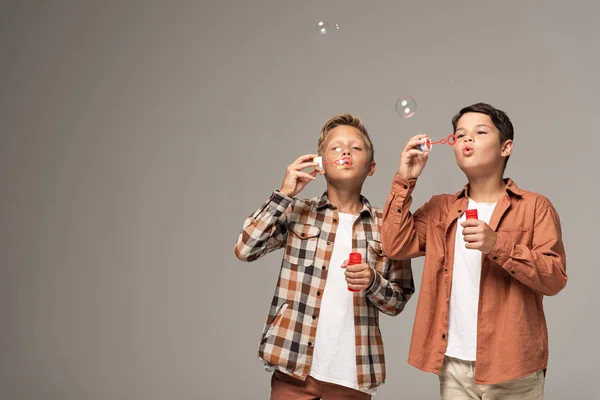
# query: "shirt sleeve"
265,230
542,267
403,234
391,292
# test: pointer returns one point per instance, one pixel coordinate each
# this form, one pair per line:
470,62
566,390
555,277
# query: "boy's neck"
347,200
486,189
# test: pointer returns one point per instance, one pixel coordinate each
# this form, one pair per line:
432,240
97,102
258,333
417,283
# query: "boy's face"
478,150
347,142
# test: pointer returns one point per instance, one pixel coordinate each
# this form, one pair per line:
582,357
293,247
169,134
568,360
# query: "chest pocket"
375,255
522,236
302,244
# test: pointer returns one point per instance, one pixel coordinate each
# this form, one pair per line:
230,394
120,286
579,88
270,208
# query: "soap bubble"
406,107
321,27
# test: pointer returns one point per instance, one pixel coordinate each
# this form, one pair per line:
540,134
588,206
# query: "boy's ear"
372,168
507,148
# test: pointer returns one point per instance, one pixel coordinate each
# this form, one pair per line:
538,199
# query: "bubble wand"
428,144
341,163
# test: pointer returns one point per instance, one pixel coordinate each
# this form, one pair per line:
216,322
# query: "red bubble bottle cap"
471,214
355,258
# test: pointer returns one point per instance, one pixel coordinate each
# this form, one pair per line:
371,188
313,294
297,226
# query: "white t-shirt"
334,354
464,298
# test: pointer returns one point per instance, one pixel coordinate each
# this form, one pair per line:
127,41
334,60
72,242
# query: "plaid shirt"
306,228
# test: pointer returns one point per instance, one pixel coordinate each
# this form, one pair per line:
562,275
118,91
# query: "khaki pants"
284,387
456,383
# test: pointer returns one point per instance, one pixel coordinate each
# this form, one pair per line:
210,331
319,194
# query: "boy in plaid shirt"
322,336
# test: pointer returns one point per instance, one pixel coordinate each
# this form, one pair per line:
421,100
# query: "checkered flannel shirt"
306,229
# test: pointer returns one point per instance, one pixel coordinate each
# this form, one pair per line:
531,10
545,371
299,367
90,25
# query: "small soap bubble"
337,26
406,107
321,27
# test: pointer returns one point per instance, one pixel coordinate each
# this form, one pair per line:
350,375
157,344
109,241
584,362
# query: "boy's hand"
295,180
412,160
478,235
359,276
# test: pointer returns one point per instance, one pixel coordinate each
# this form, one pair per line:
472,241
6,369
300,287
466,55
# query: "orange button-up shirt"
527,262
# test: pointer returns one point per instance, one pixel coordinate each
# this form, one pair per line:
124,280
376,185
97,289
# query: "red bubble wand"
427,145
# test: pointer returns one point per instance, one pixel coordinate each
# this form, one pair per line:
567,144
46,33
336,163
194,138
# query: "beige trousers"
456,383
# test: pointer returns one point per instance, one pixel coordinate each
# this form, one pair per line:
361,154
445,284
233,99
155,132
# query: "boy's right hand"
295,179
412,159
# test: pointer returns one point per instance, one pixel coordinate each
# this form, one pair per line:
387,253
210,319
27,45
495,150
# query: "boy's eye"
484,132
460,135
356,148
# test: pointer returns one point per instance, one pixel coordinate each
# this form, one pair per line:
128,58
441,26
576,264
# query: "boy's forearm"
400,236
391,294
264,230
542,267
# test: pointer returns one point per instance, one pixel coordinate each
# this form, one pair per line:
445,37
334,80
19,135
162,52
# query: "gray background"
136,136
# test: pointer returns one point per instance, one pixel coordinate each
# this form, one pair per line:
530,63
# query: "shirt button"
314,317
459,211
323,268
309,344
318,293
328,243
405,187
399,210
443,336
303,234
335,221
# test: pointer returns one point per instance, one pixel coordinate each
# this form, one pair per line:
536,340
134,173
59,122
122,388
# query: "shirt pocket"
275,321
435,251
519,235
302,244
436,239
376,256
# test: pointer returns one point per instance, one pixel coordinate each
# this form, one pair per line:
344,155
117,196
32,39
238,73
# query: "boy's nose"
468,139
346,152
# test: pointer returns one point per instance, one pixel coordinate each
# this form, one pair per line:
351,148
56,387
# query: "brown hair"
346,120
498,117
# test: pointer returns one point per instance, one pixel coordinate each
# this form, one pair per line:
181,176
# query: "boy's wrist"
403,178
401,184
280,200
284,193
373,279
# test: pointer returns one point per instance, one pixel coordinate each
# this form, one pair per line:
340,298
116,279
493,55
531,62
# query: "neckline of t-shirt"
347,216
478,203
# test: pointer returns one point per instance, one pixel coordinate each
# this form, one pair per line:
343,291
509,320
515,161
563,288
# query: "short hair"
346,120
498,117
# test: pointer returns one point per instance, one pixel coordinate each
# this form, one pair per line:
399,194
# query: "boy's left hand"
478,235
359,276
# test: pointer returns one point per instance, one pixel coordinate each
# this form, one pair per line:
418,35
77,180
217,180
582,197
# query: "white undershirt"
464,298
334,355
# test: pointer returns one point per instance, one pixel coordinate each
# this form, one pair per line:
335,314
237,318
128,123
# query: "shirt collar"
324,202
510,187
